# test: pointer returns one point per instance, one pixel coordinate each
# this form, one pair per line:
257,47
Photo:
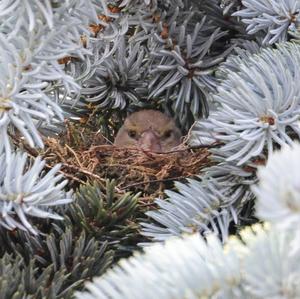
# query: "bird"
149,130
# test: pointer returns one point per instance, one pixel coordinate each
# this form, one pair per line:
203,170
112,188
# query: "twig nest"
133,169
88,157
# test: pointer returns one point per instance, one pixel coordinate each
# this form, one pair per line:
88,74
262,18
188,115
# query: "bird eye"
167,134
132,134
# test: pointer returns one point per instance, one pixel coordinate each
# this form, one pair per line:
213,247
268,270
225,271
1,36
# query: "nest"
87,156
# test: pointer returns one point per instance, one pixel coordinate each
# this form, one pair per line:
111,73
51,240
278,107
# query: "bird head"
149,130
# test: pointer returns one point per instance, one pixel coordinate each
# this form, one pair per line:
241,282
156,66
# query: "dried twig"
154,181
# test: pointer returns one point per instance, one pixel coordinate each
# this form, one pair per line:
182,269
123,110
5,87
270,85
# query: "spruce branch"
257,107
274,17
184,57
118,79
278,189
56,266
26,191
176,267
107,216
34,36
202,206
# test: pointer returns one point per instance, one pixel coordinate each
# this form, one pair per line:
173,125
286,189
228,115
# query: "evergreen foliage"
227,71
55,266
261,263
275,18
107,217
198,206
25,192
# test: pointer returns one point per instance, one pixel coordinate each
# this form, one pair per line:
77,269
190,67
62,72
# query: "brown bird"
149,130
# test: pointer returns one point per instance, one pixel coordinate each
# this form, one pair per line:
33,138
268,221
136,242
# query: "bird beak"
150,141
